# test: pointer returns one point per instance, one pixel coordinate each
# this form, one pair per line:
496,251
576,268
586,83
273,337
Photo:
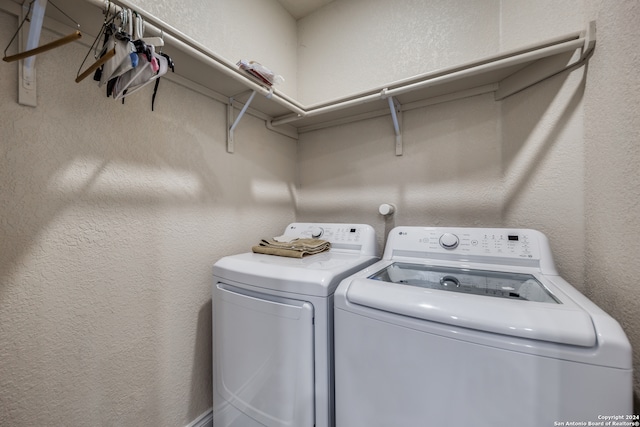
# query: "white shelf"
504,74
200,68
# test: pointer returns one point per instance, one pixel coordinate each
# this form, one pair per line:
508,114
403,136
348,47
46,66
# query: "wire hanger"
52,45
101,60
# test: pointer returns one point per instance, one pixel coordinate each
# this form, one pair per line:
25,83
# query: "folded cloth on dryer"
285,238
296,248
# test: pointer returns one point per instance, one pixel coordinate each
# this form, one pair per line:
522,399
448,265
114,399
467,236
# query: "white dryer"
474,326
273,329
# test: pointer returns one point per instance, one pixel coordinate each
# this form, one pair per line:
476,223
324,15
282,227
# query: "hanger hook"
25,19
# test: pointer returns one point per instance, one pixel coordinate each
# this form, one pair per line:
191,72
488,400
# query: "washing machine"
273,329
474,326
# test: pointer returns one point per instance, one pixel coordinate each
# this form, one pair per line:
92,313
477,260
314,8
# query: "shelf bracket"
548,66
589,39
26,68
231,123
396,116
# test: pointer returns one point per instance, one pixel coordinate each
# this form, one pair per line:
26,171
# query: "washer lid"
497,284
499,302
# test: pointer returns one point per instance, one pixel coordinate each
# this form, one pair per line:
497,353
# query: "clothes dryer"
273,329
474,326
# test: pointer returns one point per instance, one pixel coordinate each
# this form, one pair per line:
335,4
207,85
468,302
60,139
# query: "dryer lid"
499,302
315,275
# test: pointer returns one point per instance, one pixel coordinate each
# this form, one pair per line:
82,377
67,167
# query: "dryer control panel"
357,237
524,247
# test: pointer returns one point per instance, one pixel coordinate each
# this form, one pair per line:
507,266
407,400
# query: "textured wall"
353,45
612,152
543,138
111,217
524,22
449,173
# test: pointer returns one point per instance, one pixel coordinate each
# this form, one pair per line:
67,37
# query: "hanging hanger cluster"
126,61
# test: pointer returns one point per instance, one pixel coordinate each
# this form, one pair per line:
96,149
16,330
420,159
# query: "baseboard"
204,420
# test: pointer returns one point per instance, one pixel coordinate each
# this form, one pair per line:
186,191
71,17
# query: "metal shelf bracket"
396,116
231,123
27,69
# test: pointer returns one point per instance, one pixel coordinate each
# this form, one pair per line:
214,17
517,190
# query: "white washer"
473,326
273,329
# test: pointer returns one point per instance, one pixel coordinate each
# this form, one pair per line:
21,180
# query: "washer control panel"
523,244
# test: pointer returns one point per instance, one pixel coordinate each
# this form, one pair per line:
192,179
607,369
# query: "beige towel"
297,248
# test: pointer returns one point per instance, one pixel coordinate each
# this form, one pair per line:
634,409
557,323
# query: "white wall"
107,241
354,45
612,175
449,173
523,22
543,138
111,217
468,162
561,156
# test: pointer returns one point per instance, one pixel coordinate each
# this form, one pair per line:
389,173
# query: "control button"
316,232
449,241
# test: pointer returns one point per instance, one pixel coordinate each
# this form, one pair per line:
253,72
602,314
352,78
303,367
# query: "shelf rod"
198,51
510,61
327,109
422,76
468,71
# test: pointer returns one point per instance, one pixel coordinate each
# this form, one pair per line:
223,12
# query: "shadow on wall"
454,165
527,110
78,150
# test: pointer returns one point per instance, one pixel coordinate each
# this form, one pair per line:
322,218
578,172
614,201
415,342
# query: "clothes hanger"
139,32
93,67
48,46
151,66
105,55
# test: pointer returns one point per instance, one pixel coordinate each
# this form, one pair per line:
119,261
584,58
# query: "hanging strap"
171,65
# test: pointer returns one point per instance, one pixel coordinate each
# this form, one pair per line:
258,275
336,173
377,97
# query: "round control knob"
316,232
449,241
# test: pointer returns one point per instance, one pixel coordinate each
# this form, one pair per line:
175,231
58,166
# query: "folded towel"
296,248
285,238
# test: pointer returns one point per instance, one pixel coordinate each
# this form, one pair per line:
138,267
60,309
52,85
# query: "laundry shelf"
504,74
197,66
